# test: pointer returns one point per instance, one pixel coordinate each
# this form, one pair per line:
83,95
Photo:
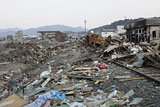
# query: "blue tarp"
41,100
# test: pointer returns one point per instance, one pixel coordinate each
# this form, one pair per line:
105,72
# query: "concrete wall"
157,30
120,29
57,35
143,34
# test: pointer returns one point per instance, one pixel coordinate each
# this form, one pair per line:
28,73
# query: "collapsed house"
144,30
116,48
95,40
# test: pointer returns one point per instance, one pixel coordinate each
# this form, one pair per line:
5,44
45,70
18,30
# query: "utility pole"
85,23
124,20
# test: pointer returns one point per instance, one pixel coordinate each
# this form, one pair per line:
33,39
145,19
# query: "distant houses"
50,35
6,38
140,30
111,32
2,38
19,37
10,37
57,35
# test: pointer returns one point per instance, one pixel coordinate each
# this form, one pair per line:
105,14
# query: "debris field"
90,72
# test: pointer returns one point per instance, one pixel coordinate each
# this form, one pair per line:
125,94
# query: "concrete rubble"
77,73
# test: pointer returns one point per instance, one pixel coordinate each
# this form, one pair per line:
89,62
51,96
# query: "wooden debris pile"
131,53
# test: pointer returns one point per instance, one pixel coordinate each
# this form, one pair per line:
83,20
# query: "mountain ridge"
33,31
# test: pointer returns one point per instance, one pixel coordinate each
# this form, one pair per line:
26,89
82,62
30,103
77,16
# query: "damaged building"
144,30
120,31
57,35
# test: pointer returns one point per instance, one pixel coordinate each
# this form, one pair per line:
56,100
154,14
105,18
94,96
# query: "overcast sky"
34,13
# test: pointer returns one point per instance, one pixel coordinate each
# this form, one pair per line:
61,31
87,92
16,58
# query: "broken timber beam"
145,75
154,51
82,77
146,53
151,59
129,79
158,67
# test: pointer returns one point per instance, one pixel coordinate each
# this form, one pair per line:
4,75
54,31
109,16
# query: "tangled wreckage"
93,71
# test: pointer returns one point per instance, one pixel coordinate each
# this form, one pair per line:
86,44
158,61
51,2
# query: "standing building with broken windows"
144,30
56,35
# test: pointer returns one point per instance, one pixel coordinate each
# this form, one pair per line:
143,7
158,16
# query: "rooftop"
109,30
144,22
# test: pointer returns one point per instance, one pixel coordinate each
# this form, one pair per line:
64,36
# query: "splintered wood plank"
129,79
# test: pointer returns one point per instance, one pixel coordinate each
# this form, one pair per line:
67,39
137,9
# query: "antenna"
85,23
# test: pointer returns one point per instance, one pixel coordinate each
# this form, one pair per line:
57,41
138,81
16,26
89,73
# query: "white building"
113,32
109,32
120,29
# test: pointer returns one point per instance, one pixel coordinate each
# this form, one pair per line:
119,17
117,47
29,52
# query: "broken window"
154,34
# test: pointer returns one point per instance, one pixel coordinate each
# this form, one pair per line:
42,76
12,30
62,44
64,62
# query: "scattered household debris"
13,101
73,74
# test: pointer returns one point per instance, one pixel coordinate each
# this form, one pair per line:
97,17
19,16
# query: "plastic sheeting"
41,100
